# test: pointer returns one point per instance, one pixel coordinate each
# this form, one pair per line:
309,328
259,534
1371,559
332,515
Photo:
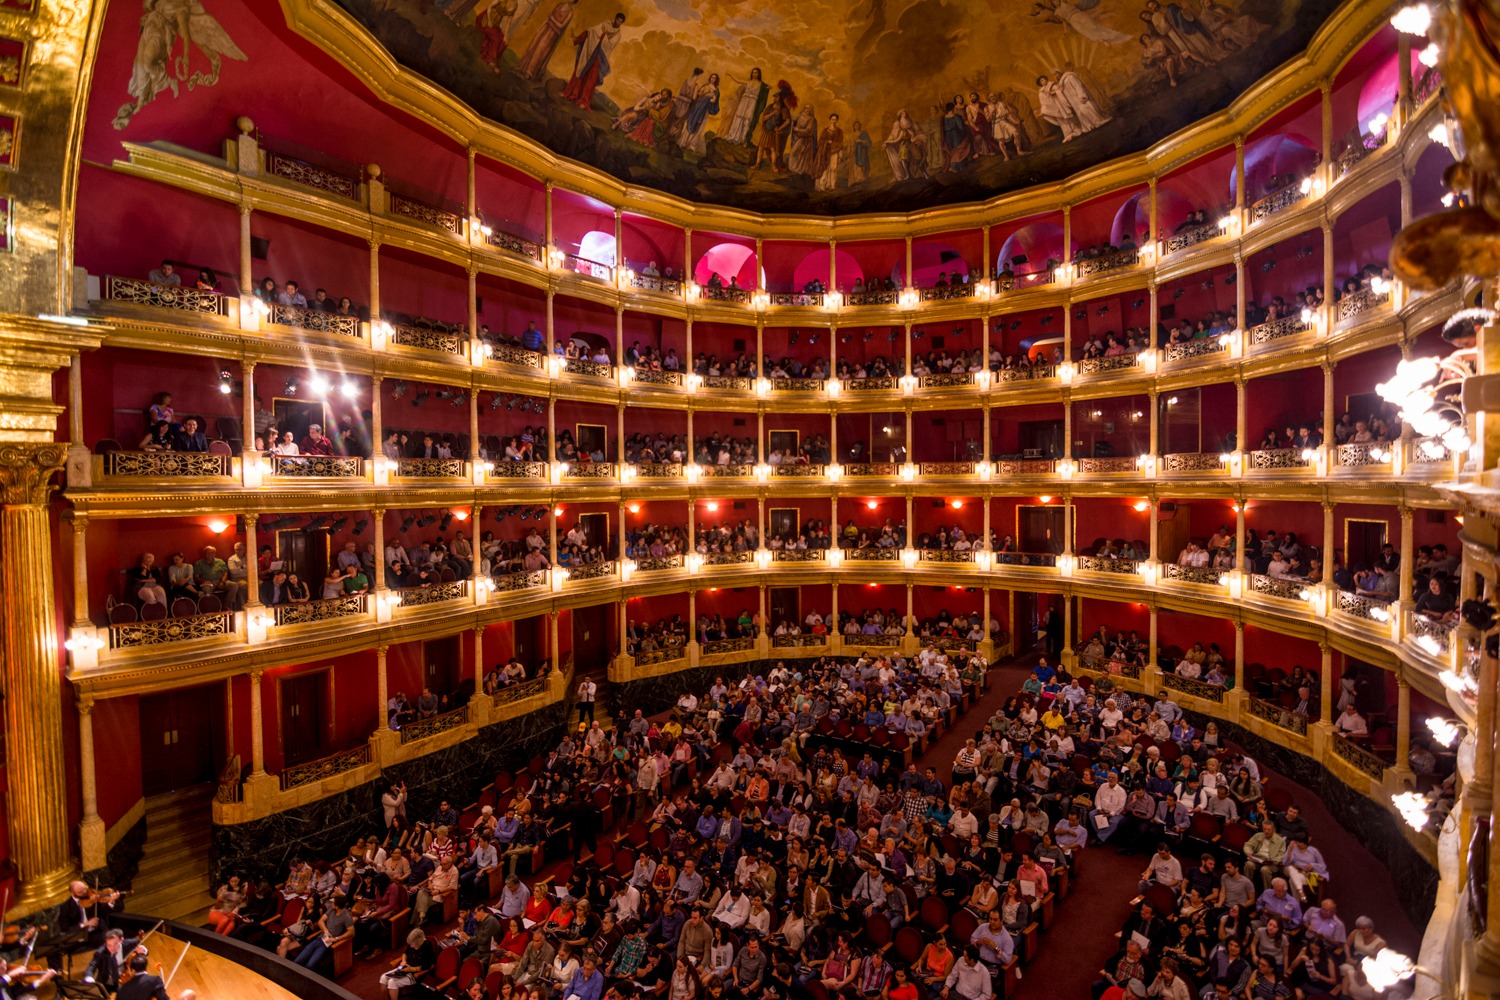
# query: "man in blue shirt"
587,983
532,339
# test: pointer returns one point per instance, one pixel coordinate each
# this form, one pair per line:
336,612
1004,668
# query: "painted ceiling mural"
827,106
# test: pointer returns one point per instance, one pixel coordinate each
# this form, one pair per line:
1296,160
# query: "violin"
106,896
11,935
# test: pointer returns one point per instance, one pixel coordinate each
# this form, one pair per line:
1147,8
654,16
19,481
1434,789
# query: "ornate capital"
246,208
79,520
250,519
1327,505
1405,512
27,470
85,707
375,245
1328,367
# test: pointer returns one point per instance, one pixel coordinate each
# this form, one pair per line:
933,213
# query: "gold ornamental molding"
27,473
343,38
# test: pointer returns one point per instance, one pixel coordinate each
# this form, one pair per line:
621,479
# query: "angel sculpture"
162,24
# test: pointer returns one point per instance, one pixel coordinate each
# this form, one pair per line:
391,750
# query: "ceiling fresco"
826,106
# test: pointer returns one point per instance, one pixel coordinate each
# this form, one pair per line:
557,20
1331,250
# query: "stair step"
150,881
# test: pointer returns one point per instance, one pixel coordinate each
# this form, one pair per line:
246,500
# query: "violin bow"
187,947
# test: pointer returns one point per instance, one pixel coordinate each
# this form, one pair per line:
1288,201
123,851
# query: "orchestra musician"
111,959
18,982
85,913
141,984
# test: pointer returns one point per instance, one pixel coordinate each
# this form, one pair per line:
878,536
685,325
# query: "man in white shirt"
813,619
1163,869
963,824
969,978
733,908
1109,808
1351,723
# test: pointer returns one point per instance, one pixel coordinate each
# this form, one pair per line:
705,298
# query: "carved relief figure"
163,24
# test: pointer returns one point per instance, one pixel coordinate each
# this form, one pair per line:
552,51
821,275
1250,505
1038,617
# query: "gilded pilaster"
40,840
252,563
257,728
80,525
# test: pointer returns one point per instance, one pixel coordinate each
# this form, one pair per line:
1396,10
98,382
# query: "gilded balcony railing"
166,464
733,470
1427,451
1192,461
1107,564
797,470
728,558
1282,718
656,283
1360,757
510,354
647,376
1358,606
422,729
657,564
1278,459
809,299
1191,574
325,767
1199,347
320,611
1435,636
928,469
1191,237
1354,303
1090,266
304,318
1104,665
1035,373
742,644
520,690
1025,467
798,385
1193,686
872,554
317,466
1357,151
658,470
862,470
595,269
521,581
797,555
881,641
518,470
430,468
591,470
418,212
511,243
591,571
593,369
947,380
1276,329
889,298
1276,202
1270,586
1365,453
872,383
1109,466
725,293
184,298
739,383
942,293
1105,365
308,175
429,338
135,635
664,655
944,556
435,593
798,641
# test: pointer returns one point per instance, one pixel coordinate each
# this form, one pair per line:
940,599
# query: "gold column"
1241,419
377,422
692,445
688,278
1325,685
911,611
1328,278
247,260
374,281
1402,770
1155,427
988,455
1403,82
1154,228
479,661
257,728
1239,535
1239,656
473,428
1151,527
1328,547
1239,178
1240,295
1066,656
41,843
471,203
1328,439
1408,552
1151,651
1067,251
91,846
547,235
80,524
247,408
252,563
907,275
381,691
553,647
75,400
1326,88
473,272
378,516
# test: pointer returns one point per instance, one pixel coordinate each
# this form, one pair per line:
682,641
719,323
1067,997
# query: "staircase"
172,880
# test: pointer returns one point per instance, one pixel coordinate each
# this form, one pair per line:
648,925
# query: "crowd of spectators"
1121,653
650,449
811,450
723,449
269,292
709,366
720,539
889,535
940,362
655,541
647,637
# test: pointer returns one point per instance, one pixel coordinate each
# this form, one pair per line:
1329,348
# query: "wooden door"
1040,528
442,664
1040,438
786,606
1028,620
1363,540
591,638
1174,529
304,716
297,415
529,639
596,532
178,742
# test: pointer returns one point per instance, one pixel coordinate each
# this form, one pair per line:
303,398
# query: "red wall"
175,225
506,308
421,287
928,518
117,756
943,435
119,386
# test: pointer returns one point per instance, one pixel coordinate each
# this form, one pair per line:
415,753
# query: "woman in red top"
901,987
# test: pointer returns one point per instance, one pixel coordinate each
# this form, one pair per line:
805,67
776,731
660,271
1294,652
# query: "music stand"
80,990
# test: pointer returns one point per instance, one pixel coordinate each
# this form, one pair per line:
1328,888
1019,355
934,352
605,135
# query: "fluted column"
257,728
252,563
80,525
91,846
41,844
382,693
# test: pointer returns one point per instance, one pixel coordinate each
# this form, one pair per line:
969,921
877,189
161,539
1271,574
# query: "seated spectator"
189,437
165,274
